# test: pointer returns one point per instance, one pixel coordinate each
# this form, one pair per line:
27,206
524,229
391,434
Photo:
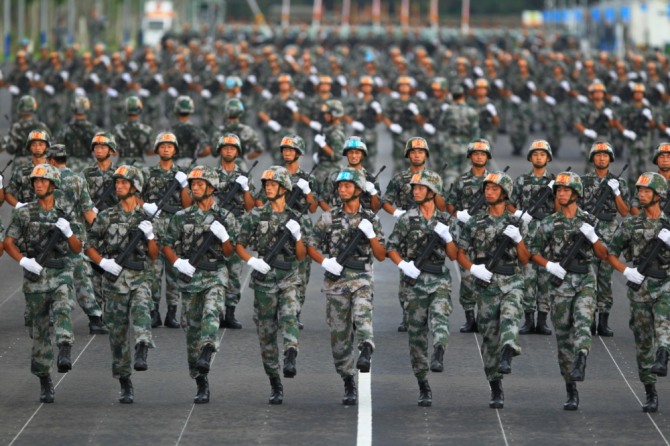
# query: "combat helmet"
229,139
105,139
539,144
134,105
293,141
663,147
479,145
46,171
81,105
184,105
416,142
501,179
26,105
354,143
164,137
38,135
334,107
204,173
600,147
278,174
653,181
234,108
57,151
132,174
571,180
429,179
354,175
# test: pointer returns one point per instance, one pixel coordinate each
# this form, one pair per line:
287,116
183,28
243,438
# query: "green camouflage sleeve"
20,220
396,241
622,236
247,226
392,190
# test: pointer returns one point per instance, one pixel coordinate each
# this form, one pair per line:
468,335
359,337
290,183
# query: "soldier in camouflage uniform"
461,125
520,88
77,134
15,142
557,93
363,112
349,289
193,140
662,160
128,295
602,181
637,119
573,301
279,114
251,144
498,287
462,202
650,304
488,114
428,300
202,285
49,290
20,190
276,304
400,116
527,190
330,141
158,181
594,120
133,138
431,112
73,197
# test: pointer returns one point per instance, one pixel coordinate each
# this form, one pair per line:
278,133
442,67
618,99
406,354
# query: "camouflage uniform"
595,119
640,150
461,125
248,137
15,143
361,110
522,113
328,192
277,110
98,181
77,135
192,139
132,138
398,113
329,163
20,185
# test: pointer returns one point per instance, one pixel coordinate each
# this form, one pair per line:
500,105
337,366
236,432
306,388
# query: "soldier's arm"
169,254
11,249
463,260
11,199
186,199
75,244
93,254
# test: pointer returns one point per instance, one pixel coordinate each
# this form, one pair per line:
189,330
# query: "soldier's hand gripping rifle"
422,260
270,257
569,260
105,195
296,194
234,190
535,208
479,202
649,263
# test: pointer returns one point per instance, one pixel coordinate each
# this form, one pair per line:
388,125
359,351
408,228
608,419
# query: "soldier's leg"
140,311
287,312
399,162
266,301
439,310
489,326
661,311
62,303
42,356
417,320
403,291
117,319
233,287
530,292
561,317
510,313
83,286
584,308
641,323
468,299
212,304
191,311
96,281
157,267
604,287
362,314
339,318
518,130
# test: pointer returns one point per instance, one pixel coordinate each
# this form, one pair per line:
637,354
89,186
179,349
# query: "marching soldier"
662,160
192,139
330,141
77,134
488,114
637,119
363,114
251,144
461,125
279,114
431,112
16,143
20,190
127,294
520,88
595,119
401,119
133,137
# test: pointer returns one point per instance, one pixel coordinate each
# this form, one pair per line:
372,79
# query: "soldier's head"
233,85
81,105
332,110
355,150
284,82
229,147
134,105
292,146
481,87
234,108
350,184
601,154
439,87
597,90
38,142
128,181
184,106
44,178
568,188
662,156
27,105
638,91
202,181
426,184
458,92
403,84
103,145
539,153
479,152
276,182
497,188
57,155
366,84
417,151
166,145
651,188
325,84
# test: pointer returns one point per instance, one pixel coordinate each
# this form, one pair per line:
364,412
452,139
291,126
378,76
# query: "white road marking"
11,296
364,437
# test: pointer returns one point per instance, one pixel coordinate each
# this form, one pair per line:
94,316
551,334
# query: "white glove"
304,186
589,232
398,213
531,85
665,236
633,275
1,179
632,76
565,85
206,94
188,78
394,95
181,177
243,181
525,216
252,79
646,113
95,78
630,134
173,92
112,93
376,107
219,231
379,81
513,232
95,210
421,95
370,188
220,78
551,184
50,90
358,126
266,94
147,228
315,125
259,265
274,125
498,83
443,231
19,205
583,99
299,94
395,128
608,112
478,71
13,89
294,227
550,100
468,83
590,133
366,226
515,99
661,88
184,267
111,266
667,131
444,107
616,100
150,209
314,79
31,265
320,140
578,65
342,80
315,158
158,78
64,75
143,92
491,109
556,269
613,183
463,216
412,107
332,266
126,78
64,227
480,272
409,269
291,105
429,128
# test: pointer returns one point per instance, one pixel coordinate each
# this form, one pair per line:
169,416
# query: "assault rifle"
535,208
422,261
296,194
653,249
604,195
479,202
272,254
105,195
234,190
568,262
9,163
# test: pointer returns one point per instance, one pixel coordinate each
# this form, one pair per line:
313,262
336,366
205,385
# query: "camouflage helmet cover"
27,104
204,173
46,171
105,139
166,137
501,179
81,105
354,175
57,151
184,105
334,107
663,147
234,108
479,145
416,143
278,174
429,179
132,174
571,180
354,143
293,141
539,144
600,147
134,105
653,181
229,139
38,135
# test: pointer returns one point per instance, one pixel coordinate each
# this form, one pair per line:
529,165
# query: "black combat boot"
277,392
437,361
425,394
363,363
603,325
171,317
127,394
64,362
497,395
578,372
202,397
141,351
505,365
350,397
660,367
573,396
230,321
289,363
96,326
46,389
652,398
205,358
593,325
222,320
528,326
155,317
541,327
470,325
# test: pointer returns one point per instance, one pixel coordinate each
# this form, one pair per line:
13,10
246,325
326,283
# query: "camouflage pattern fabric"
132,139
461,125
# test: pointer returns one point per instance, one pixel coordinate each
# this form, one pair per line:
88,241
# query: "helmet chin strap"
425,200
352,198
278,196
652,202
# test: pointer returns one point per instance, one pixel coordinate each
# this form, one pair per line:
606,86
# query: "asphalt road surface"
87,411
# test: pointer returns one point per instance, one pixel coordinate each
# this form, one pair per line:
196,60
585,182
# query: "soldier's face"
166,150
597,95
284,86
638,96
564,195
539,158
122,187
492,193
41,187
663,161
271,188
228,153
198,189
481,92
354,157
601,160
404,88
645,195
417,157
366,88
479,159
346,189
101,151
289,154
324,88
38,148
419,192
